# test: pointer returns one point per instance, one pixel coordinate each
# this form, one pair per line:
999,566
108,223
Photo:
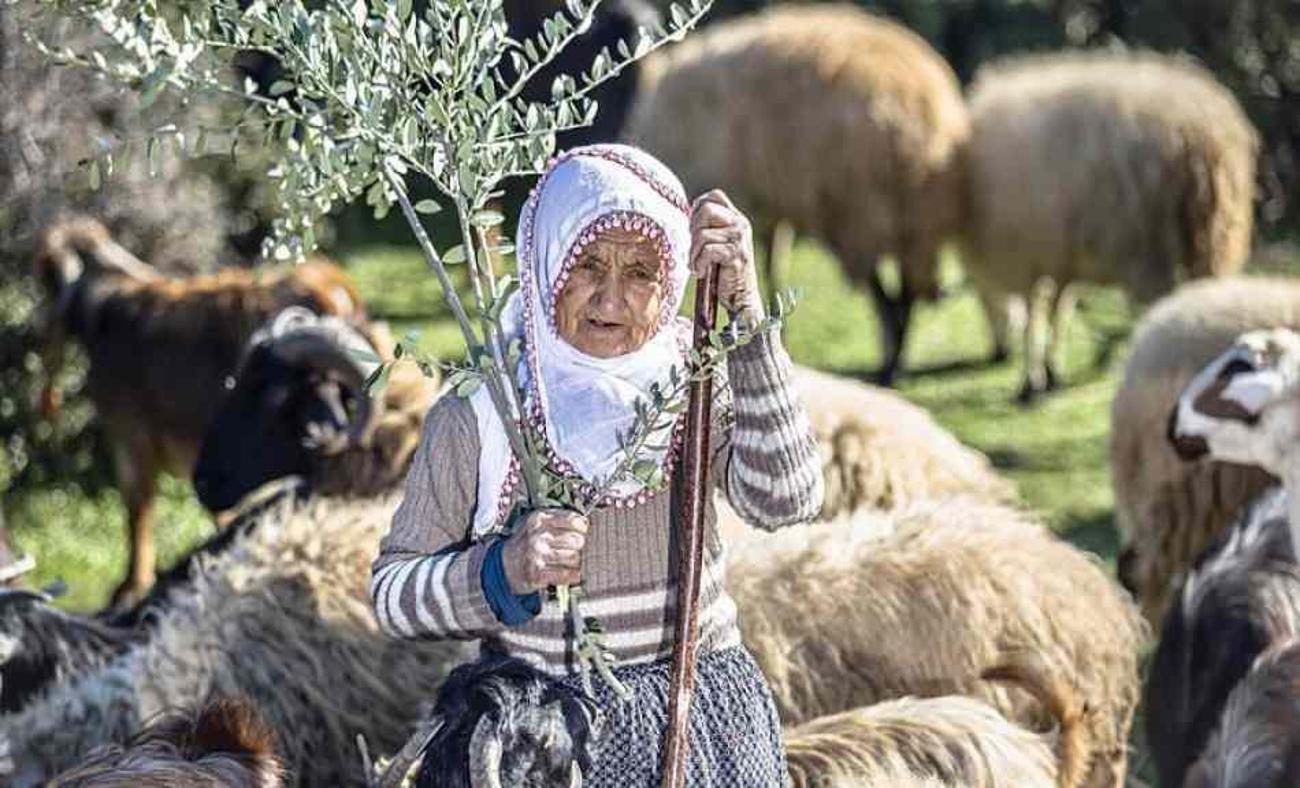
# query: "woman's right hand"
545,550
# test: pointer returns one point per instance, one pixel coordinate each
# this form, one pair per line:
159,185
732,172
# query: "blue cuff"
509,608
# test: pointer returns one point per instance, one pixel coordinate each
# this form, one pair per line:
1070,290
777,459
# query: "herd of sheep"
926,630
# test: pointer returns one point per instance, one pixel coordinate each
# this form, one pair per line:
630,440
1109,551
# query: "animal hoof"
1053,380
1029,394
126,595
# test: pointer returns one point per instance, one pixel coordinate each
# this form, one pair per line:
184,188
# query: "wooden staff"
695,489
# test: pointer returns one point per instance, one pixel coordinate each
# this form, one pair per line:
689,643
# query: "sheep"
1258,740
1243,597
1167,510
842,617
1125,169
944,742
222,744
846,125
160,350
298,407
282,617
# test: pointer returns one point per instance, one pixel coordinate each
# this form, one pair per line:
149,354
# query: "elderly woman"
606,243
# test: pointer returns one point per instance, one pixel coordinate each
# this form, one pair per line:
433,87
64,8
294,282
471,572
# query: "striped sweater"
426,579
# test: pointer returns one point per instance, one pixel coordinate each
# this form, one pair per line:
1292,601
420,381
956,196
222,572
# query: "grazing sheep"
944,742
1258,740
844,124
222,744
1242,598
841,617
298,407
160,350
503,722
283,618
1125,169
1168,510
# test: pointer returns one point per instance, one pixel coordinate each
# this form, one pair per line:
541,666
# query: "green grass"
1055,452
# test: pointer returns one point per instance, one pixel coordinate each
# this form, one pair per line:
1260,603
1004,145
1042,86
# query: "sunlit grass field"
1055,452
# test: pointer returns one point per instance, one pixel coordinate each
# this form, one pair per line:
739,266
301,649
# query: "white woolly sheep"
283,618
879,453
844,124
1167,510
944,742
1125,169
840,617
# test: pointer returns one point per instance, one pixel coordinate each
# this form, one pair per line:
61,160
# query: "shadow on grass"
1095,533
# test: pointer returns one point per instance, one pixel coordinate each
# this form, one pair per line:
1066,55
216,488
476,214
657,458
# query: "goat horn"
484,756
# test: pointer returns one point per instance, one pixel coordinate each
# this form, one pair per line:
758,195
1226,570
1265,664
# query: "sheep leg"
894,314
137,479
1035,380
997,310
1061,310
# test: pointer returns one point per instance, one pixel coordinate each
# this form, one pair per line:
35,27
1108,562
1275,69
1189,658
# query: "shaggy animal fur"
282,617
504,723
160,350
881,452
950,741
842,617
224,744
41,645
1258,740
1169,511
1130,170
1241,599
845,124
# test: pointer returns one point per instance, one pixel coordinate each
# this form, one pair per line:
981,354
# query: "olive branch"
373,99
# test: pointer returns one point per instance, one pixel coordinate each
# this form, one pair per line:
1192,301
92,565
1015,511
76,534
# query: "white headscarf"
583,403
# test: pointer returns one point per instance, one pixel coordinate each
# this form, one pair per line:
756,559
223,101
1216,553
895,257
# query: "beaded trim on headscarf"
628,220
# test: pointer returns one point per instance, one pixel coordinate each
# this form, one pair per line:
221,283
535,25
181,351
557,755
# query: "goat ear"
484,756
1240,393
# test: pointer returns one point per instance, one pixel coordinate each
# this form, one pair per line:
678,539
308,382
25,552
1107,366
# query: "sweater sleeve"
773,474
426,581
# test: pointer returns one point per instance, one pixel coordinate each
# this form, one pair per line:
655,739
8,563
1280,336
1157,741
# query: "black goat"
1241,599
299,409
1257,744
505,723
41,645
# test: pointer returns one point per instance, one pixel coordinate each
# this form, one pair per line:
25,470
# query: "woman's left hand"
721,236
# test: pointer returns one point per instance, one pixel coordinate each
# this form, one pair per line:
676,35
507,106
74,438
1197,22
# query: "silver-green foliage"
374,95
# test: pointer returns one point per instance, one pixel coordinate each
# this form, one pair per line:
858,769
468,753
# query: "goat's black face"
270,426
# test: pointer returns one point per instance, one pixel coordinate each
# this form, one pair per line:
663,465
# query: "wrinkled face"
610,304
1245,406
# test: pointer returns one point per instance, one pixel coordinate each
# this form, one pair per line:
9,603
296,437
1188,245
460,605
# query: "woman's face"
610,304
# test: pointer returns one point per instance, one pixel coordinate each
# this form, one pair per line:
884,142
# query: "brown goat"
224,744
160,352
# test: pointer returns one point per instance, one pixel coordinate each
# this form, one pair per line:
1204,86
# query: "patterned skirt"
735,732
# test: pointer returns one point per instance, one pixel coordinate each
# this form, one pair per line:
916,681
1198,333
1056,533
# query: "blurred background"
202,213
